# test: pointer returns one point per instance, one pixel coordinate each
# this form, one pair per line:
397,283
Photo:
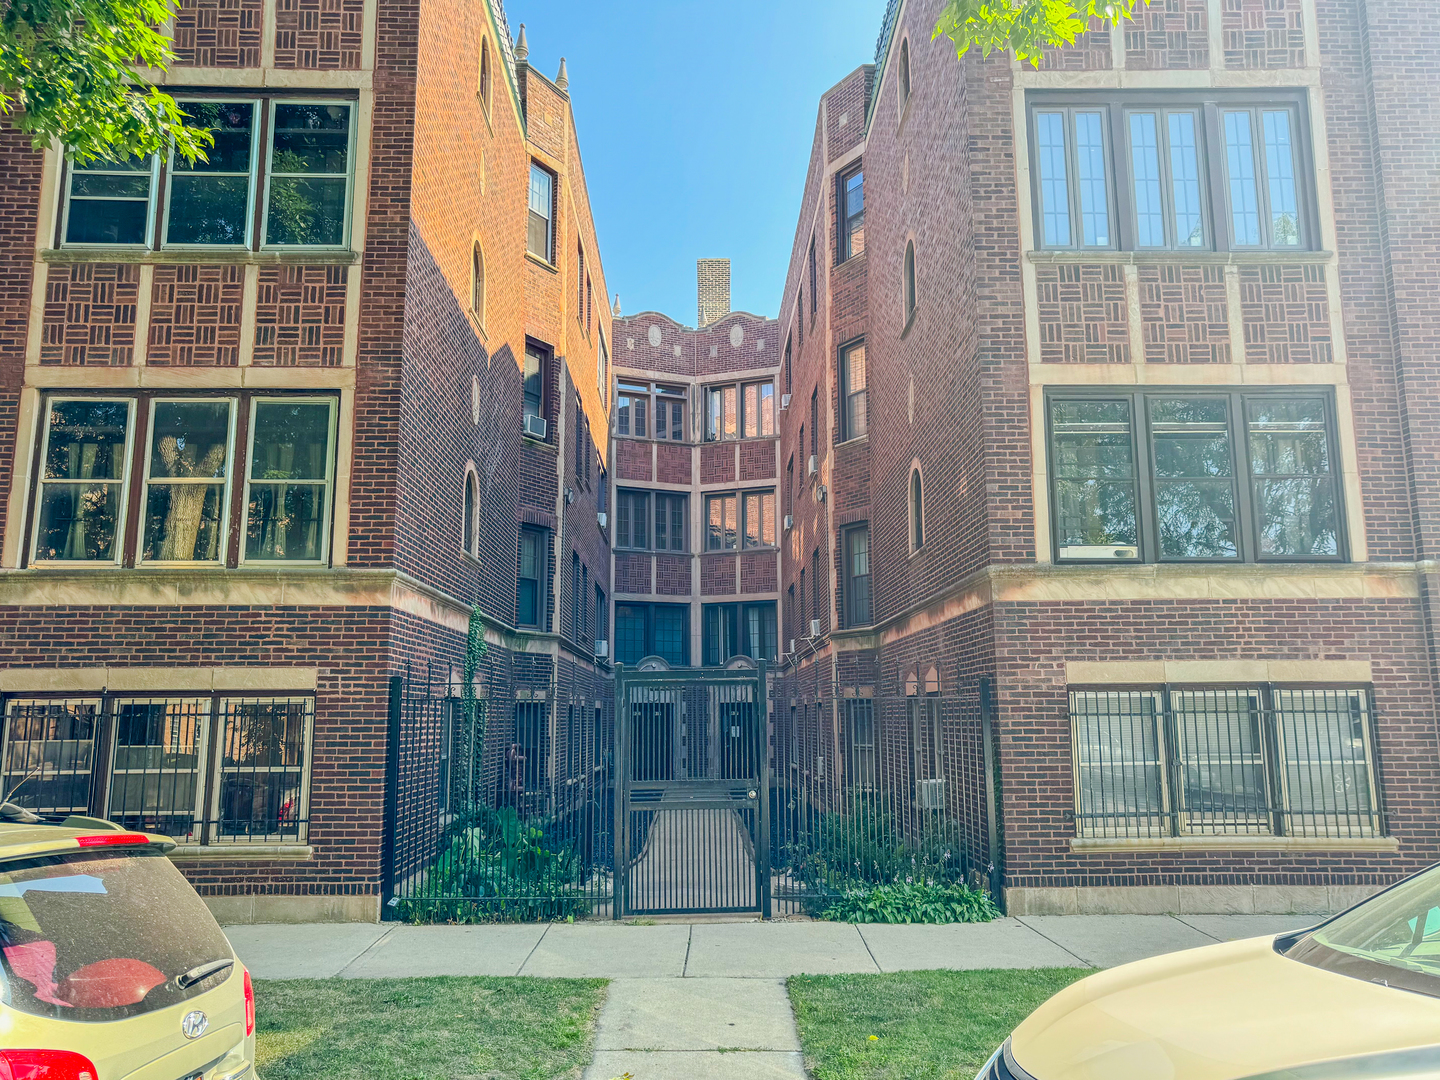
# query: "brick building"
273,427
1108,385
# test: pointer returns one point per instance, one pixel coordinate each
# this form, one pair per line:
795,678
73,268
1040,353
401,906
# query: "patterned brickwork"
757,460
1263,34
1169,34
1287,315
300,316
759,572
318,35
90,313
717,463
1091,51
717,575
219,33
633,459
632,572
1185,315
195,316
672,575
1083,315
672,463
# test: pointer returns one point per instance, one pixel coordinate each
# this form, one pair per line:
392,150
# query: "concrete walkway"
695,1001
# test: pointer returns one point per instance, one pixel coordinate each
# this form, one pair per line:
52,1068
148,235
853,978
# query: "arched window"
472,516
917,512
484,88
909,281
904,72
477,282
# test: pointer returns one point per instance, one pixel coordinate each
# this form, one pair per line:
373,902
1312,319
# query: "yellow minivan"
111,967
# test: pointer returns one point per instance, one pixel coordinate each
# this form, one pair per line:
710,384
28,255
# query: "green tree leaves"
1024,27
70,70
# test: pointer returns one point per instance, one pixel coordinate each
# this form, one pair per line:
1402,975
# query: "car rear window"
95,937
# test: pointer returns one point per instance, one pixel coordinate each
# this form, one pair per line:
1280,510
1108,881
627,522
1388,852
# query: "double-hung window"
722,413
530,600
738,630
722,523
743,411
632,519
746,520
669,413
857,575
669,522
854,419
632,409
540,234
1224,760
537,365
1193,475
195,478
757,409
1224,170
306,149
851,199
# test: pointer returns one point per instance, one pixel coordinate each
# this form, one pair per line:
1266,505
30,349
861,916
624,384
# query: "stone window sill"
1108,845
222,255
1169,257
243,852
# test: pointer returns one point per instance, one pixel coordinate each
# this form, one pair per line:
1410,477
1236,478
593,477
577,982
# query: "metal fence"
1261,760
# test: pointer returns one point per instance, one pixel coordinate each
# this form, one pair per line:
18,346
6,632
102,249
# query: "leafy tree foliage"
1025,27
72,70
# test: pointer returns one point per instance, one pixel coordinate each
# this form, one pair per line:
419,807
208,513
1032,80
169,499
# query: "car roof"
19,841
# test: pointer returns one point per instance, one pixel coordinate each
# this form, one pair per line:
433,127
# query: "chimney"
713,289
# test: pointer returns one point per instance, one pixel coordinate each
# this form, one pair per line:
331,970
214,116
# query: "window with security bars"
859,714
200,769
1238,761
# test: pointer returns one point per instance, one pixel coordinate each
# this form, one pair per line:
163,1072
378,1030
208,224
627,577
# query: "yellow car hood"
1217,1013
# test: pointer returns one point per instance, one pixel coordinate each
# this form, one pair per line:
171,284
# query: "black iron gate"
692,791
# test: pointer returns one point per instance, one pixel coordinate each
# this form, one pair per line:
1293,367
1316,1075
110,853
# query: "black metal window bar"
1263,760
200,769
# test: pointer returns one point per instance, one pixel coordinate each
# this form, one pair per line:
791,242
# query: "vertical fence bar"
392,784
995,868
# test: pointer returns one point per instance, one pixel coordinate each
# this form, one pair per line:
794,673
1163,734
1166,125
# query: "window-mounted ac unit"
1099,551
792,646
535,426
811,466
789,522
930,794
784,401
602,649
601,518
814,627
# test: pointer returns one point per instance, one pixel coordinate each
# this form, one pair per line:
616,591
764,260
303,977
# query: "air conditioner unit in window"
811,466
814,627
1099,551
784,401
792,646
601,518
602,649
535,426
789,522
930,794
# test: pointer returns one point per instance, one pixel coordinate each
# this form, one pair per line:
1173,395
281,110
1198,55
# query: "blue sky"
695,125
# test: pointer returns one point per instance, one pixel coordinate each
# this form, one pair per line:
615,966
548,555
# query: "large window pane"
1222,783
1280,180
1185,180
853,232
157,766
671,629
289,481
210,200
1194,478
759,519
185,488
309,169
109,202
857,570
1325,750
1240,168
529,598
853,376
1145,167
1054,178
82,486
542,195
1118,784
263,749
1094,467
1292,477
721,532
630,633
534,387
1091,179
49,754
860,741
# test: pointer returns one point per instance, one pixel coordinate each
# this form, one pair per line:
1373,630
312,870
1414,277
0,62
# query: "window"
589,306
577,598
747,410
853,415
814,284
530,587
1213,171
927,743
859,715
755,527
580,281
669,412
484,80
670,522
917,511
661,630
540,235
602,372
804,623
471,524
800,314
632,407
152,771
910,299
738,630
817,605
791,615
584,602
722,529
1250,760
291,461
852,214
632,519
187,475
758,409
477,283
602,618
1173,476
213,203
528,759
815,423
857,575
787,363
759,519
904,73
790,485
537,362
722,413
83,488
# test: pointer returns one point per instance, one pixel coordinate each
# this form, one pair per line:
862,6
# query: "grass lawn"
932,1025
425,1029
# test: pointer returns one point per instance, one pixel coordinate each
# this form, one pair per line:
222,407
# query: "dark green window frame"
1149,536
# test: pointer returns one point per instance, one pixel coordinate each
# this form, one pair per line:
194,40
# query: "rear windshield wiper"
201,973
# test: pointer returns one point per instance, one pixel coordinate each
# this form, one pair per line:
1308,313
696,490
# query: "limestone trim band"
41,680
1107,845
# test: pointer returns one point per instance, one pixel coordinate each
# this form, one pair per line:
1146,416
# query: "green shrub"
868,846
493,867
912,902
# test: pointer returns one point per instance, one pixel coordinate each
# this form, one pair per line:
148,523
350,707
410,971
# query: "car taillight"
107,839
45,1065
249,1007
